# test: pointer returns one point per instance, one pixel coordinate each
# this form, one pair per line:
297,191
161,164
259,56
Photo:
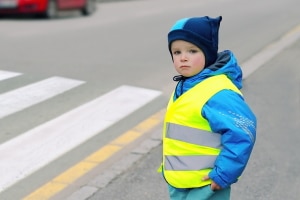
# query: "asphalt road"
124,43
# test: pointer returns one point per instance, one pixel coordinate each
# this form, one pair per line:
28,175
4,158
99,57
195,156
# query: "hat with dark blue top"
200,31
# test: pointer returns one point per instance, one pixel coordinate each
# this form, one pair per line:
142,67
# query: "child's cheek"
199,61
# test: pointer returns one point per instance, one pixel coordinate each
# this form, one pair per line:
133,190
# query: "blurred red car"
46,8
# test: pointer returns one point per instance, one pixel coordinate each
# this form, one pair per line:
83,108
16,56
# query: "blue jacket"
229,115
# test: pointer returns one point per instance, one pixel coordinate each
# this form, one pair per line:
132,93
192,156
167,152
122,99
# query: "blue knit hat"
200,31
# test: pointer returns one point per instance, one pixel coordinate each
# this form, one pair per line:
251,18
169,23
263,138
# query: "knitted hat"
200,31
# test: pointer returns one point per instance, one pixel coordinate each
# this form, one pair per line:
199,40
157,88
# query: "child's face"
188,59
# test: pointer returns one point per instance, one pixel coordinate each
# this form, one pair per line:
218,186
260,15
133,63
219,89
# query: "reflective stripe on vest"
193,135
182,163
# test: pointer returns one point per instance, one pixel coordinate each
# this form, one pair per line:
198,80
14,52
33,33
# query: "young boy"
209,130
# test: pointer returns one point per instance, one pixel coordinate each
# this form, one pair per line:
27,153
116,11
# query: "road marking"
89,163
34,149
19,99
270,51
6,74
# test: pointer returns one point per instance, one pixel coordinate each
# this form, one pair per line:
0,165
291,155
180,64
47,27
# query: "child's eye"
176,52
193,51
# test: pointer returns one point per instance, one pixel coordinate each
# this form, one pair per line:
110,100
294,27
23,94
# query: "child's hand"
213,185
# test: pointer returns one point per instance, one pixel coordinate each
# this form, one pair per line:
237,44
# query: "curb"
103,179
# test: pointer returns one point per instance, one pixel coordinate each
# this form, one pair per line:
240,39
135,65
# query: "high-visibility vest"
190,147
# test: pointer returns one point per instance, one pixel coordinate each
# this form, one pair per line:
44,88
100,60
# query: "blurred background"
77,74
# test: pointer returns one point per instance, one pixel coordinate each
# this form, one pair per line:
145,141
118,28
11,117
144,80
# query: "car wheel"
89,7
51,11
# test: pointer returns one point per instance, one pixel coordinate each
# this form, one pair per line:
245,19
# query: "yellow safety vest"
190,147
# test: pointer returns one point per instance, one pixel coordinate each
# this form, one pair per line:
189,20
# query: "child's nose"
183,57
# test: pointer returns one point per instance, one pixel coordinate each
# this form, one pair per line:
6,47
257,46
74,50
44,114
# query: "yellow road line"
63,180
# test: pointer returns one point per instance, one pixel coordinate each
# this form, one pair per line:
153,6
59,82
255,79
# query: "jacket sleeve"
229,115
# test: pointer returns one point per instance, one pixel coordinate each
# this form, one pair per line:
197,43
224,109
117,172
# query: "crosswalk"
37,147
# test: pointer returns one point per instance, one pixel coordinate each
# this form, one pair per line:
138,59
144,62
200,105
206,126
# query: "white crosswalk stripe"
27,96
6,74
28,152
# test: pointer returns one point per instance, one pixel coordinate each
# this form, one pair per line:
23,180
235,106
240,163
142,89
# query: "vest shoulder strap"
213,85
